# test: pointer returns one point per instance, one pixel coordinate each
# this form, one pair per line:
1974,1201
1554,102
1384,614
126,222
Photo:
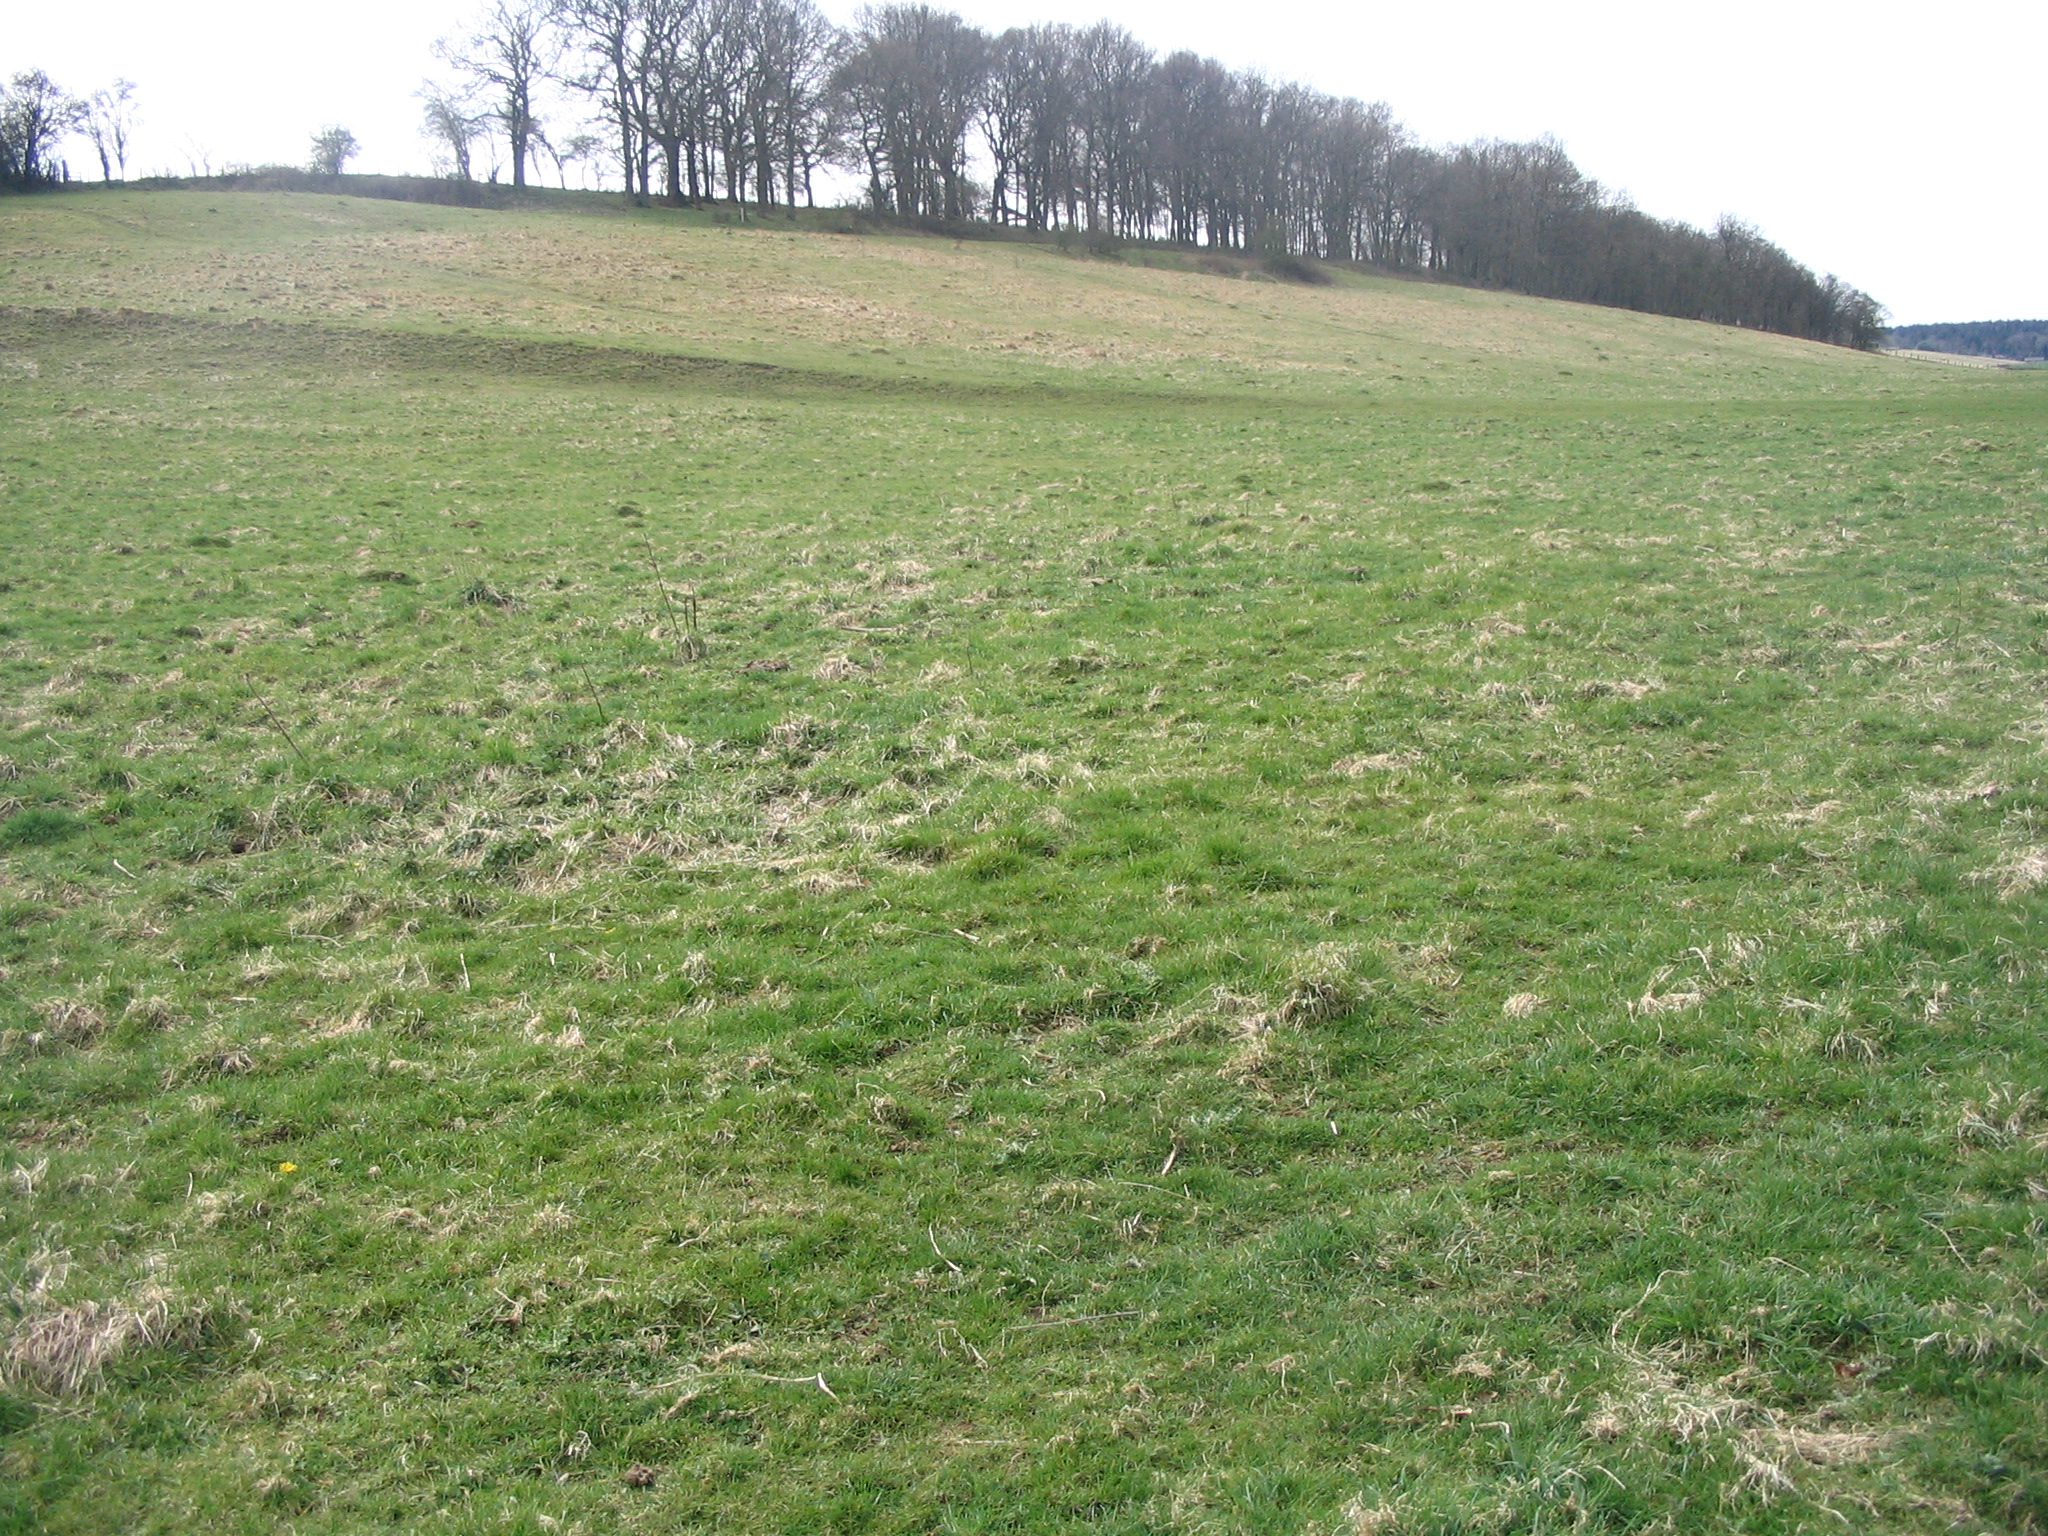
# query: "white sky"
1899,147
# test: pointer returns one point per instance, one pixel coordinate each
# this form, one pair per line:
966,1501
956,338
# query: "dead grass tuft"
151,1013
1812,815
47,1268
253,1396
1763,1477
68,1021
64,1351
1652,1002
568,1038
2024,872
829,882
356,1023
1374,762
481,594
26,1178
1522,1005
793,739
2005,1117
1039,770
1324,989
1834,1447
1662,1402
838,669
554,1217
1852,1045
1254,1051
1377,1520
1622,688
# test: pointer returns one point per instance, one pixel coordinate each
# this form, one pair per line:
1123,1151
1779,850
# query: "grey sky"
1899,149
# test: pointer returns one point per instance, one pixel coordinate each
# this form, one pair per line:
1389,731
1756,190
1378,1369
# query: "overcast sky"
1901,149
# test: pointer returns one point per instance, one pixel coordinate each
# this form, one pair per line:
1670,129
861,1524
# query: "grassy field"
660,877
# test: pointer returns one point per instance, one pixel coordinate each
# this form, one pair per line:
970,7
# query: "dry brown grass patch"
151,1013
1374,762
1624,688
68,1021
63,1351
1323,987
1677,1000
838,669
829,882
2004,1117
1662,1401
2023,872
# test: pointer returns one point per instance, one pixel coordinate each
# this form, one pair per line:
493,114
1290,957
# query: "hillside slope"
666,878
882,306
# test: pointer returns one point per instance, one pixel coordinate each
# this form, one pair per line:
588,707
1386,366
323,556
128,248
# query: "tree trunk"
672,156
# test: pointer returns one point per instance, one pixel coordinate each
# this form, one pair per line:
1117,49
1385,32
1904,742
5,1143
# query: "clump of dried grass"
1313,999
63,1351
150,1013
1041,771
838,669
1374,762
1811,815
2024,872
828,882
481,594
1663,1401
1254,1052
1323,989
2005,1117
796,738
1380,1519
67,1021
1626,688
1652,1002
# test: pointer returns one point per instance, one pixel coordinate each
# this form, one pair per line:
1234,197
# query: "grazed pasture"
1370,908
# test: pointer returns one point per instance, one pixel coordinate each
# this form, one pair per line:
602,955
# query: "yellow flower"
287,1167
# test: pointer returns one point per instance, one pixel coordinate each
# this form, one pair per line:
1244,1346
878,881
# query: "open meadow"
659,877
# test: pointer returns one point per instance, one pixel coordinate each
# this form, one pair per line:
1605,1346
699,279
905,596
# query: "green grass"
1364,908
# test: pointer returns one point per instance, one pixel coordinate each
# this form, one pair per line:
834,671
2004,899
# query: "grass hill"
657,876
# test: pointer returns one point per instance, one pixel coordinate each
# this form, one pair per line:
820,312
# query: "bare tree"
512,52
614,38
109,120
1029,123
453,127
672,94
722,64
581,149
1115,69
812,52
788,44
35,113
915,79
333,148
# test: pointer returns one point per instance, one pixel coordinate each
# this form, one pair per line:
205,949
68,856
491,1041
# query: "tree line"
2020,341
1062,128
